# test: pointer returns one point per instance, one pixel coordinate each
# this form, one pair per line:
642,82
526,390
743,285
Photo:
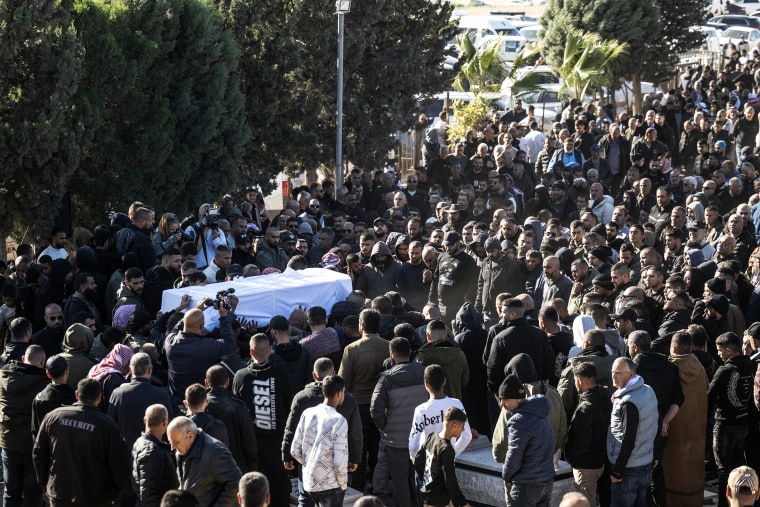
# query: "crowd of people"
587,294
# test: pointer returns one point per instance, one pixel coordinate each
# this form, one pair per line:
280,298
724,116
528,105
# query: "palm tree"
589,62
483,69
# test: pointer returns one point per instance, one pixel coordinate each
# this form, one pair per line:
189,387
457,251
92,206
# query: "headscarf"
117,361
581,324
122,314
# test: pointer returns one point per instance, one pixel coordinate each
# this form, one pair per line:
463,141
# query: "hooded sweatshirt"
77,344
19,384
453,361
522,366
381,279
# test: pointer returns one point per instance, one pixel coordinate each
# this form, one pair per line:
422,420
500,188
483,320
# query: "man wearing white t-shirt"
57,247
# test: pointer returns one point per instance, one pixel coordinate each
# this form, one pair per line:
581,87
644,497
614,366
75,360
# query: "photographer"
205,232
190,353
167,234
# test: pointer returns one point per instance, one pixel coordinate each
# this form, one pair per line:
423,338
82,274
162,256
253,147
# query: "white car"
530,32
520,20
735,34
748,6
511,45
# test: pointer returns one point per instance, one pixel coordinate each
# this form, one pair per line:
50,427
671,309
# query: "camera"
219,301
212,218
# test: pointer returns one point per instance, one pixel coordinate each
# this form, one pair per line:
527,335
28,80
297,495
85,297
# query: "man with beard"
83,300
498,273
410,278
130,292
269,253
454,277
380,277
50,337
140,242
160,278
288,241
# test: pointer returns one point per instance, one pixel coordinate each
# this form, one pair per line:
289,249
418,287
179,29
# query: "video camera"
212,218
220,296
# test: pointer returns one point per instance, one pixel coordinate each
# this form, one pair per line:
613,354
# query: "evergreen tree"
163,94
675,37
393,50
41,138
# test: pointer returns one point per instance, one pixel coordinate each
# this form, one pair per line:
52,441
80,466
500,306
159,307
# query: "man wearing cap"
599,257
498,273
674,252
697,233
160,278
241,254
519,336
742,488
455,277
729,398
630,439
582,284
528,471
604,286
560,200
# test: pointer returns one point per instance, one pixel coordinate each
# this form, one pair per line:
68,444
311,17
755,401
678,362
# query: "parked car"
530,32
723,22
736,34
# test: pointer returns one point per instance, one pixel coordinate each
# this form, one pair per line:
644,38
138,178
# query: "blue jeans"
327,498
631,491
530,495
21,488
728,447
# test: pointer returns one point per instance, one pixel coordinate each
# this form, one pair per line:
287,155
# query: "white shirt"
320,444
54,253
428,418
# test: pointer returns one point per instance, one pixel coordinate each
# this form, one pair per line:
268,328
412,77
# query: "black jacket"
14,351
128,403
52,397
81,438
19,384
662,376
519,337
49,340
586,442
189,355
311,396
730,392
212,427
231,411
296,360
265,390
153,470
454,280
209,472
141,244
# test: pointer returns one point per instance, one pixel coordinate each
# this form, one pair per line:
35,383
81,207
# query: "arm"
515,451
119,460
415,434
378,407
149,476
41,457
296,449
450,479
629,418
340,452
345,369
479,293
290,428
500,441
495,366
355,435
226,343
248,440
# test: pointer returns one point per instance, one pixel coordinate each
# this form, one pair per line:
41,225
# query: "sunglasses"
56,317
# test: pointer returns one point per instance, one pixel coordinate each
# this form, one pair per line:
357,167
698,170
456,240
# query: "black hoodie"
296,361
266,391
